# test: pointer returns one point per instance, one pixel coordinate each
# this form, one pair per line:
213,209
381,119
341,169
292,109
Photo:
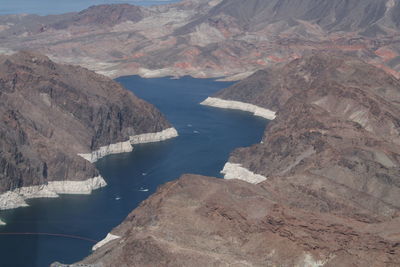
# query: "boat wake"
143,189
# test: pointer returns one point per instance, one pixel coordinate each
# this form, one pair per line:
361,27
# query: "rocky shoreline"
50,113
237,105
232,170
127,146
16,198
110,237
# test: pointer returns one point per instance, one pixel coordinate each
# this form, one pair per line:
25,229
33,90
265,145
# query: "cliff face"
330,193
52,112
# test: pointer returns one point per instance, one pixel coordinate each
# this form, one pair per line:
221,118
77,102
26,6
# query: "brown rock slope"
203,221
337,137
331,198
51,112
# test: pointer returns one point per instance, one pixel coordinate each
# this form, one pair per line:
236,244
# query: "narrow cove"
206,137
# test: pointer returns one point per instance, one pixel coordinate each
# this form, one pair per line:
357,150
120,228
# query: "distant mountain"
372,16
102,15
50,114
209,38
327,189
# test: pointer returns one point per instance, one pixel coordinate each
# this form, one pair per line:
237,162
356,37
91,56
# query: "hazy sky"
45,7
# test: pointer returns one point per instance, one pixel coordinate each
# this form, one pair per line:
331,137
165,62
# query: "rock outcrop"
50,113
321,189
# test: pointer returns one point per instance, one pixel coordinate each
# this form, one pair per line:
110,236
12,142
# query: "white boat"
143,189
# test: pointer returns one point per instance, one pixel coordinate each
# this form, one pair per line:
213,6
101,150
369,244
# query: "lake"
47,7
206,137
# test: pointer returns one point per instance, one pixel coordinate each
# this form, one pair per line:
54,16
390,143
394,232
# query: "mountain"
272,87
337,122
321,189
332,16
95,15
209,38
50,114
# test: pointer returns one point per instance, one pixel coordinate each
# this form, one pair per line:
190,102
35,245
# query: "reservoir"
206,137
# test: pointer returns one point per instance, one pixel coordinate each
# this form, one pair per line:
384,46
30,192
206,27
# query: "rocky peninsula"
53,117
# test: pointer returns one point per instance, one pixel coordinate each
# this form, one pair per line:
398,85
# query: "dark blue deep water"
206,137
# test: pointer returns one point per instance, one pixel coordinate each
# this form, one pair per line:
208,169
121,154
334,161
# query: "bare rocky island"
52,116
330,189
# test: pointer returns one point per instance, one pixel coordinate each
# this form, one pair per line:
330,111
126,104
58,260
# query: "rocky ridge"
330,196
51,113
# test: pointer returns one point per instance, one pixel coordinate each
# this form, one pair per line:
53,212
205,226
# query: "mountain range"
209,38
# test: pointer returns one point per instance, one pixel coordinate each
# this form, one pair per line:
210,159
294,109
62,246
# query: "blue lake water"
46,7
206,137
